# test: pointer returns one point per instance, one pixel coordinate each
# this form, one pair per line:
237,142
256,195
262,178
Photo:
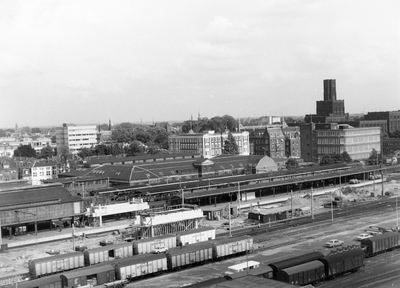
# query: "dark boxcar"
310,272
346,261
107,253
189,255
380,243
55,264
138,266
232,246
94,275
52,281
296,260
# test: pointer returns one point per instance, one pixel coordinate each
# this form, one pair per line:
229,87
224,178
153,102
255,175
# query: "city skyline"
89,61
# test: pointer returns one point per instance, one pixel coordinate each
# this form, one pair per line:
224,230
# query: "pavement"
109,227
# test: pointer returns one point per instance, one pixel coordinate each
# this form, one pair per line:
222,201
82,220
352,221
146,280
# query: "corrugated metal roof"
88,271
56,257
304,267
190,248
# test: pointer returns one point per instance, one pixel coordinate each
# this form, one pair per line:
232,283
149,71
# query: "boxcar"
232,246
140,265
310,272
296,260
194,254
195,236
107,253
340,263
52,281
147,245
380,243
94,275
55,264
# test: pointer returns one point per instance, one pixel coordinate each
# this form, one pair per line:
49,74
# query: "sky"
86,62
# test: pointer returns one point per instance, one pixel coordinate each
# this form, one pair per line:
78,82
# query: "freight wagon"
232,246
293,261
189,255
107,253
141,266
138,266
53,281
195,236
380,243
147,245
91,276
343,262
55,264
310,272
327,267
65,262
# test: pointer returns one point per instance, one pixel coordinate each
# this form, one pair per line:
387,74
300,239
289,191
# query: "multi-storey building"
308,142
391,117
43,170
375,123
275,141
292,142
76,137
208,144
357,142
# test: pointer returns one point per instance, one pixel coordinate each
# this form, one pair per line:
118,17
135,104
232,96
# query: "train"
380,243
309,268
117,273
74,260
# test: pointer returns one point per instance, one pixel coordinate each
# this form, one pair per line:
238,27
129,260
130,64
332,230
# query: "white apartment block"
357,142
76,137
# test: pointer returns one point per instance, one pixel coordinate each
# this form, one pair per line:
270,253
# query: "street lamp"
331,205
340,184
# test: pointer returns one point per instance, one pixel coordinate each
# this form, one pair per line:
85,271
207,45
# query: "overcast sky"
87,61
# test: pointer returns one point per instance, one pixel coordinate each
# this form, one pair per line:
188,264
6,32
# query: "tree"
346,157
135,148
292,163
53,139
46,152
36,130
230,146
373,157
395,134
326,160
63,153
3,133
25,151
85,152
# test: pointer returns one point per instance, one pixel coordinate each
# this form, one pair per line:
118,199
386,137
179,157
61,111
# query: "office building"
76,137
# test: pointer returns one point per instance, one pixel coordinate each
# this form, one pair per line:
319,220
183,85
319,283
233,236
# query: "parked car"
354,181
363,236
334,243
160,249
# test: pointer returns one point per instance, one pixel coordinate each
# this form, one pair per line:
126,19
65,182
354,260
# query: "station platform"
281,198
109,227
65,233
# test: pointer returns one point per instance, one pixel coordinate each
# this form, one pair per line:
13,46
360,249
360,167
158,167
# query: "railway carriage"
55,264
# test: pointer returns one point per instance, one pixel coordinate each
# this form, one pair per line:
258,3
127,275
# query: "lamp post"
331,205
312,212
397,216
247,258
340,185
239,195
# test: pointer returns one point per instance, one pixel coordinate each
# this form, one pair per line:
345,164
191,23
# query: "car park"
363,236
334,243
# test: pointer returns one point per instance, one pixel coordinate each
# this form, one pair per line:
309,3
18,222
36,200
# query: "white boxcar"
55,264
147,245
107,253
141,265
195,236
232,246
189,255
